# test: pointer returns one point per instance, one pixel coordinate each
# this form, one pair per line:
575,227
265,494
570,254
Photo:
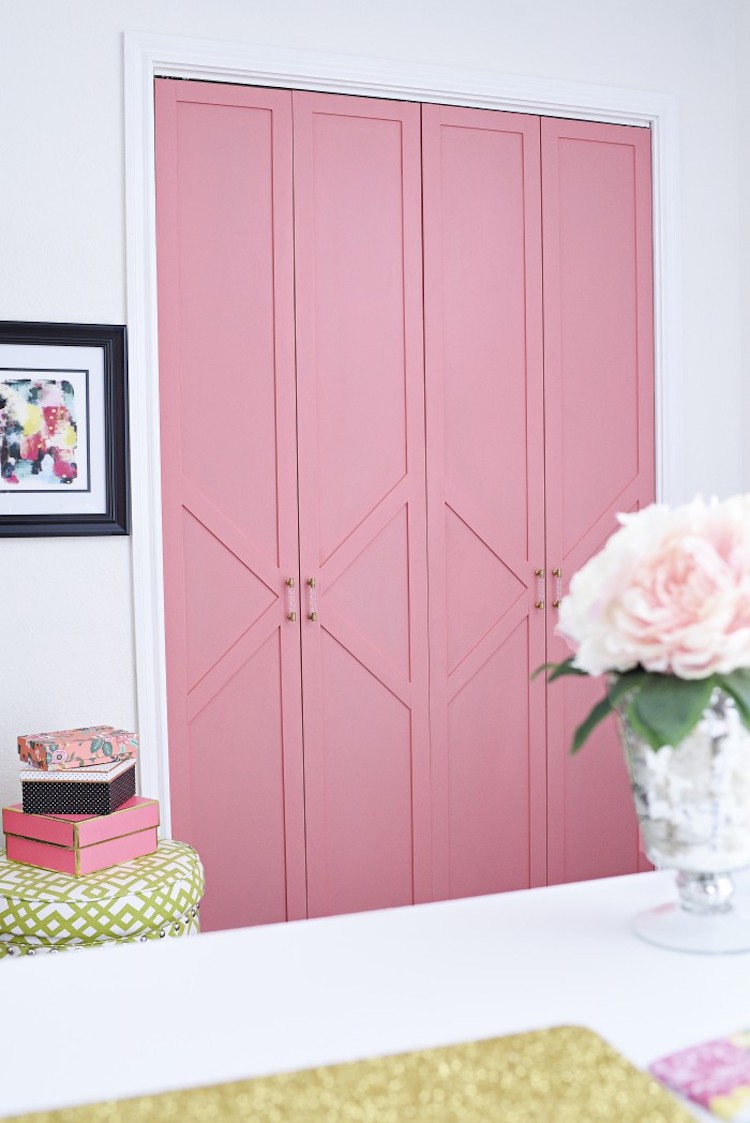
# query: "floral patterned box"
77,748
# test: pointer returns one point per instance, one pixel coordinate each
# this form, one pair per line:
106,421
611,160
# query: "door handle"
557,574
539,602
291,600
312,585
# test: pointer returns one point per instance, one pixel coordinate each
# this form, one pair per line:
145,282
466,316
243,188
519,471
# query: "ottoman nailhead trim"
187,926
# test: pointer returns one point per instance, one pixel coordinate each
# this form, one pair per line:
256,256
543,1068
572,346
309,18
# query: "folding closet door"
229,490
599,410
485,456
362,501
391,333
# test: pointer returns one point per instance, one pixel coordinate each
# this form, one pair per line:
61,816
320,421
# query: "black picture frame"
97,355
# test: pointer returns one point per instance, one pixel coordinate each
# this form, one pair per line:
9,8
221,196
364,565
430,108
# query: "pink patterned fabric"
715,1074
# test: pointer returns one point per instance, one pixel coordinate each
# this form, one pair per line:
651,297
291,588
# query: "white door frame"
149,56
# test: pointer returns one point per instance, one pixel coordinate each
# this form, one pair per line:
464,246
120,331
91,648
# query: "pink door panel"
431,761
226,337
599,401
483,356
362,501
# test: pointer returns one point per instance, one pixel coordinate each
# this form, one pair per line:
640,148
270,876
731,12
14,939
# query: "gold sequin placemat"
562,1075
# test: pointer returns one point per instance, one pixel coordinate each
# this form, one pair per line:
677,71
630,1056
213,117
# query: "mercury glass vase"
693,805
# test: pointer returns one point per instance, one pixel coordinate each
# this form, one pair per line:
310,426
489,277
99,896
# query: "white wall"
743,71
67,619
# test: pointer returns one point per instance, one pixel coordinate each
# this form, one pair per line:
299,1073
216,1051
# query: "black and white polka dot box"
97,790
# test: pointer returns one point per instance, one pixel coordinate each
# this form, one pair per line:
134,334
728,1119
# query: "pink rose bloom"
670,592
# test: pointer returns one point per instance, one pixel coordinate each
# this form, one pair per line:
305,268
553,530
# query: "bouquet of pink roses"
664,611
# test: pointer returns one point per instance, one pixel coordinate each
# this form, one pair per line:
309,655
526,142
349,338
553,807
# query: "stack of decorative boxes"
79,811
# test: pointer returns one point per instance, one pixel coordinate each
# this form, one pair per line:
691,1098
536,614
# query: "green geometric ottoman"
147,899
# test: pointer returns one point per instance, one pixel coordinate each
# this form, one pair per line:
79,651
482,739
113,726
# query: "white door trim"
149,56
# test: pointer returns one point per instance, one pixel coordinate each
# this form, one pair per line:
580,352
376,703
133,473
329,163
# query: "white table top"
144,1018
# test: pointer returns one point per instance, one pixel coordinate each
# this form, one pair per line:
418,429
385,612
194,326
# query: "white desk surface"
142,1018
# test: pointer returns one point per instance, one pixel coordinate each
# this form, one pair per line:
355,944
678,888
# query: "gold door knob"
312,616
311,582
539,604
291,616
290,582
539,573
557,573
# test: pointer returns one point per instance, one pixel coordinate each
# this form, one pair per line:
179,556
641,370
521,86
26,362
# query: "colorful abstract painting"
38,433
63,429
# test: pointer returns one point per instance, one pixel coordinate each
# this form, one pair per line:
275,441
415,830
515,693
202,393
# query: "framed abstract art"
63,429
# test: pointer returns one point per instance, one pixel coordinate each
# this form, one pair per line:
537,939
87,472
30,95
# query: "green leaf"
540,670
559,669
737,686
600,711
665,708
626,683
643,731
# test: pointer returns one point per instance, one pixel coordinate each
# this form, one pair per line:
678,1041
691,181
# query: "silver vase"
693,807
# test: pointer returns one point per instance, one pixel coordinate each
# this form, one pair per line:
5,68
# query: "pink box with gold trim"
136,814
87,859
81,844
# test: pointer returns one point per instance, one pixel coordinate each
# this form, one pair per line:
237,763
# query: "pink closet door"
226,337
483,325
599,387
362,501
